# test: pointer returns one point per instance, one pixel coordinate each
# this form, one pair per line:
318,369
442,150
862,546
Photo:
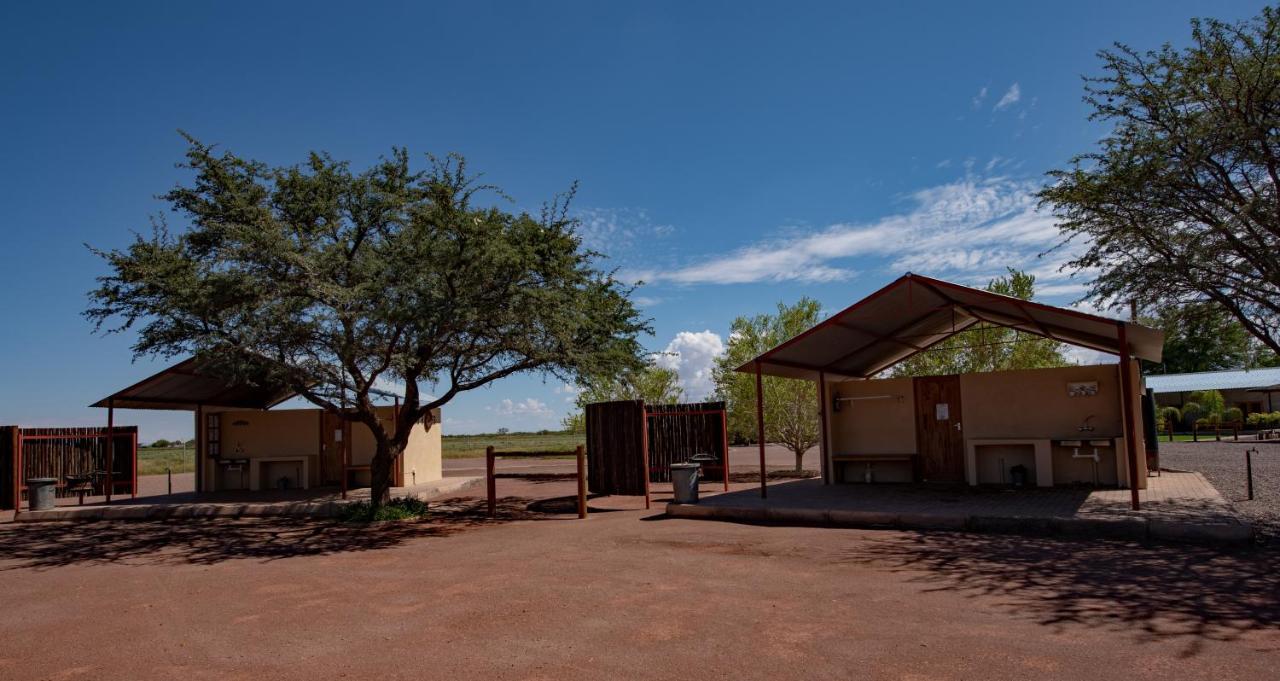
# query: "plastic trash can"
684,481
41,493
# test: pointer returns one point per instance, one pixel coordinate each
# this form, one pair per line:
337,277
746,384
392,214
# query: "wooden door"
331,444
939,439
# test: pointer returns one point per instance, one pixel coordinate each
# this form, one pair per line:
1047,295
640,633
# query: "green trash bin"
41,493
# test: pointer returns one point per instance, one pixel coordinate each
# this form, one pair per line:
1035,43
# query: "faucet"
1085,426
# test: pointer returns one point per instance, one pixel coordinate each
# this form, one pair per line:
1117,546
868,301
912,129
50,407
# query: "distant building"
1252,390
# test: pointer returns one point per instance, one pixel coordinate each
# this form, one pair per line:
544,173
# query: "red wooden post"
644,450
764,492
491,483
133,493
822,424
1126,397
582,481
724,436
17,470
111,444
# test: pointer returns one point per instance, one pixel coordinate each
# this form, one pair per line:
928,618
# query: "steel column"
1126,396
764,492
111,444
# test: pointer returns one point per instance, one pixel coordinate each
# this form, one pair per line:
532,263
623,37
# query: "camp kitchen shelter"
1077,424
242,444
1252,390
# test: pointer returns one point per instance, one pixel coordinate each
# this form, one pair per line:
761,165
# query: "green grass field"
472,446
154,460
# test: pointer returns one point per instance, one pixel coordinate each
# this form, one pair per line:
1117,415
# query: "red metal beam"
111,444
764,489
822,426
724,436
1126,394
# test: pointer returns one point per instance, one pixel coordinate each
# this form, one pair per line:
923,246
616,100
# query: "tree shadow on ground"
213,540
1190,593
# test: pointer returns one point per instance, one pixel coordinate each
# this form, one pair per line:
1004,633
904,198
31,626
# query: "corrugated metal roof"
915,312
1214,380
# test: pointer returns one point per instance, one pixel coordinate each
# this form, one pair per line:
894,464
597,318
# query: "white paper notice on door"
943,410
337,435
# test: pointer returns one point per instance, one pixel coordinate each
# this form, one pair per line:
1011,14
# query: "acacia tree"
331,282
988,347
1181,202
790,405
651,383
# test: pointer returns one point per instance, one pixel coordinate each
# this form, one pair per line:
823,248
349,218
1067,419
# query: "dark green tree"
332,282
988,347
1201,337
1181,201
651,383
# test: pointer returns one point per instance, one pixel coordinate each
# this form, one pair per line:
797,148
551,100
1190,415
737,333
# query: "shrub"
1192,412
1257,419
1210,401
1233,415
1202,424
160,443
400,508
1171,417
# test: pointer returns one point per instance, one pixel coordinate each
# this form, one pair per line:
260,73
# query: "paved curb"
1141,529
296,509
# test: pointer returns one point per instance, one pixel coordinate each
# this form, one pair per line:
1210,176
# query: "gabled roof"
185,386
1215,380
915,312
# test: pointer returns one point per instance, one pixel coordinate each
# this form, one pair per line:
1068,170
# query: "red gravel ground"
625,595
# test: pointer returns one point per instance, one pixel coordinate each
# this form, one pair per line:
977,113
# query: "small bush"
400,508
1232,415
1256,420
1171,417
1209,401
1192,412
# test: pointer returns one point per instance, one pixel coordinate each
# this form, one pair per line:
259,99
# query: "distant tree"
161,443
790,406
1201,337
1210,403
1181,201
651,383
330,282
504,431
988,347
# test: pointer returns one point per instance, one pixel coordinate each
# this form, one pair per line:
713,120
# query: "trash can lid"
41,481
683,466
703,456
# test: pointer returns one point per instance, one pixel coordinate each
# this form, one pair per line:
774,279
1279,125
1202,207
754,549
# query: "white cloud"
569,390
617,230
1011,97
528,406
979,98
692,354
646,301
970,229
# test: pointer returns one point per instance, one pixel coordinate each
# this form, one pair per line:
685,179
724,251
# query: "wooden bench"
869,459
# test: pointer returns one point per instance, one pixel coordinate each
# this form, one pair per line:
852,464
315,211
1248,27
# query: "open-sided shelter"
242,443
1078,424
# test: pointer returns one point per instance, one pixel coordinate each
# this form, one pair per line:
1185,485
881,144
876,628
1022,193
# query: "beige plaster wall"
1033,403
881,426
272,434
422,456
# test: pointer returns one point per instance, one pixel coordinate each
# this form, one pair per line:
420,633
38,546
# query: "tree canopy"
790,405
1180,203
988,347
337,283
651,383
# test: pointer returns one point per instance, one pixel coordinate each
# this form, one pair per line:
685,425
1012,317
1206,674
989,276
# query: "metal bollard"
169,472
1248,469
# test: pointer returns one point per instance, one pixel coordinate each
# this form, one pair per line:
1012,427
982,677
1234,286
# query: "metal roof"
915,312
1215,380
185,386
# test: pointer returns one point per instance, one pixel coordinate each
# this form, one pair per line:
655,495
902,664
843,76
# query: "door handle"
957,425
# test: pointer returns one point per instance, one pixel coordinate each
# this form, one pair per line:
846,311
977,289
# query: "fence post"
490,482
1248,470
582,481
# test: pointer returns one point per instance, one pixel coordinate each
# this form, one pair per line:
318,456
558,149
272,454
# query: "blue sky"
731,154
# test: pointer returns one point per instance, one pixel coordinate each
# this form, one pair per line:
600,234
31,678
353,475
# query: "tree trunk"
799,460
380,471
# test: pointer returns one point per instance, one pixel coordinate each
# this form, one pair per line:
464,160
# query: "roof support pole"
111,444
823,427
764,492
1126,399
